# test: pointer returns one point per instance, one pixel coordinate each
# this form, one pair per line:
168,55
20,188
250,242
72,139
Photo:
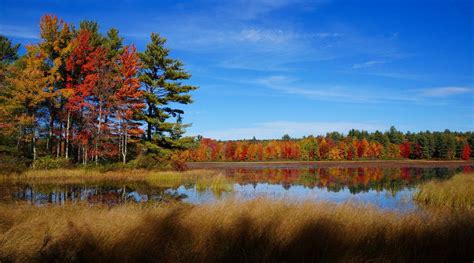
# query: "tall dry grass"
86,175
456,193
255,231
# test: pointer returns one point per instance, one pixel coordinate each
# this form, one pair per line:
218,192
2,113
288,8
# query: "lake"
388,187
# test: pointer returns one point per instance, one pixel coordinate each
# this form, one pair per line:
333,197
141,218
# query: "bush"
10,164
45,163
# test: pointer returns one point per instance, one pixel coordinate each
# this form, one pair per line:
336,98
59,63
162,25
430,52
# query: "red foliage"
229,150
129,99
466,152
405,149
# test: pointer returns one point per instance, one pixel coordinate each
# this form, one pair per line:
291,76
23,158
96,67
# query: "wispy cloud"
367,64
337,93
252,9
275,129
398,75
262,35
446,91
327,35
229,33
356,94
19,31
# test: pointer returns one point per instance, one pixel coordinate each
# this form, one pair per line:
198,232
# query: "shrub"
10,164
45,163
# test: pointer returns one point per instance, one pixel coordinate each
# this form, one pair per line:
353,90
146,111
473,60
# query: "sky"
267,68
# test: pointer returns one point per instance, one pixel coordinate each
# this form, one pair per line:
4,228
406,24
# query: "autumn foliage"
84,97
326,148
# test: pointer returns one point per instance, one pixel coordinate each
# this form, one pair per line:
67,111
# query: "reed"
78,175
255,231
456,193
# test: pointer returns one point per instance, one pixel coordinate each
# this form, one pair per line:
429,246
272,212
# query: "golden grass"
217,184
256,231
456,193
86,175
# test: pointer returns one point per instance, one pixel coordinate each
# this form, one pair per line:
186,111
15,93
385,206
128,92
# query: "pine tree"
162,78
8,52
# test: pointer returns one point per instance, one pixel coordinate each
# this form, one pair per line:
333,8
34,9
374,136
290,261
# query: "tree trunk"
33,141
67,134
19,139
50,133
148,131
84,149
98,136
78,154
125,141
59,140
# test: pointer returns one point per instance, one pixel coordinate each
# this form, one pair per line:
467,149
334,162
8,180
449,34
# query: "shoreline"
328,164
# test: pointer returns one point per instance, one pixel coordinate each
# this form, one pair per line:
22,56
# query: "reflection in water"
389,188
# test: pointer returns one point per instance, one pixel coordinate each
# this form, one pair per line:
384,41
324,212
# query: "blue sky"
266,68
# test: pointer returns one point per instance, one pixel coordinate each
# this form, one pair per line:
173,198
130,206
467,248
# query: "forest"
79,96
356,145
82,97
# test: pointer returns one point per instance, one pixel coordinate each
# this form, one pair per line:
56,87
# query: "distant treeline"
356,145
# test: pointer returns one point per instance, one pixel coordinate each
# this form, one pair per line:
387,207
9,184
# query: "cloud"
18,31
399,75
260,35
252,9
445,91
336,93
367,64
276,129
355,94
231,37
327,35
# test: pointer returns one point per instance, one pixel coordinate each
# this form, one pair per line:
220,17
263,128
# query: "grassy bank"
204,180
86,175
456,193
255,231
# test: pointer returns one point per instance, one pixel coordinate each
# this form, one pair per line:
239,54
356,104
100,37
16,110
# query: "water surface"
389,188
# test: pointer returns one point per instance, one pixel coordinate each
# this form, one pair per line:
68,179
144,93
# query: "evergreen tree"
394,135
162,78
8,52
380,138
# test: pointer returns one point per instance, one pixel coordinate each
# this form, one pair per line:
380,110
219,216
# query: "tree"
309,148
362,148
129,100
78,92
466,152
380,138
8,52
394,135
405,149
55,44
26,94
162,78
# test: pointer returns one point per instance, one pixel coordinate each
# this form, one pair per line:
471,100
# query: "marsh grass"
256,231
217,184
77,175
456,193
